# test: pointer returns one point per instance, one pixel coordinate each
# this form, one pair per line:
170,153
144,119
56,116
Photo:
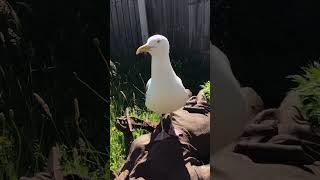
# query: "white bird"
165,90
230,108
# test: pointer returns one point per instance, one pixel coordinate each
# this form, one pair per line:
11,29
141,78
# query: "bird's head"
156,45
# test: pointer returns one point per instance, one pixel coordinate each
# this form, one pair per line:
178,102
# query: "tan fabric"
183,158
277,145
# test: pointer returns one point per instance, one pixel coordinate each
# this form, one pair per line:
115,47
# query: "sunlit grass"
125,95
117,145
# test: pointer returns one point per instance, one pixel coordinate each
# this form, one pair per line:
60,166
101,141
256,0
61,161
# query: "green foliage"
206,89
309,91
117,147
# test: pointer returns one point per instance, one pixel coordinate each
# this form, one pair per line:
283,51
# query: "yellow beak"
143,48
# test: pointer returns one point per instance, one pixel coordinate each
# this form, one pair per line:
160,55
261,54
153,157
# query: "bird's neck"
161,67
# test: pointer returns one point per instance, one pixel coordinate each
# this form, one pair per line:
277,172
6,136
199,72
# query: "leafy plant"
309,90
206,89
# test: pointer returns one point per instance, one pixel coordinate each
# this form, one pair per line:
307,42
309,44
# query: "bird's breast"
165,97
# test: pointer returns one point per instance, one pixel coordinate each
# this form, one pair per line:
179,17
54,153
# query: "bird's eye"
158,41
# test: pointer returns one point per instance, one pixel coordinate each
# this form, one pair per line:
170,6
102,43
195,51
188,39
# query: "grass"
117,108
308,88
125,95
117,156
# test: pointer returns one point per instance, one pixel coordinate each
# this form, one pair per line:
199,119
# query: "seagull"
165,92
230,108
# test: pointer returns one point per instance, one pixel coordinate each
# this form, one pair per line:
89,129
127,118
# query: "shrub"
309,91
206,89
